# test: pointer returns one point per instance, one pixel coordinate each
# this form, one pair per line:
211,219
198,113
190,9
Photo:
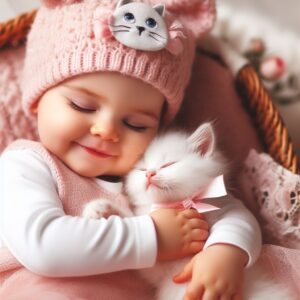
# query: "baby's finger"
199,224
199,235
210,294
195,247
194,291
185,274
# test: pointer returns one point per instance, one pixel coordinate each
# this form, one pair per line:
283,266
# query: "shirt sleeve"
234,224
35,228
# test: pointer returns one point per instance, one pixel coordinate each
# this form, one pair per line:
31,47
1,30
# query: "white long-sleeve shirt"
35,228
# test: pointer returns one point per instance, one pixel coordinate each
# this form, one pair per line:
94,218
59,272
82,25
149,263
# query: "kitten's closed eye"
168,164
143,169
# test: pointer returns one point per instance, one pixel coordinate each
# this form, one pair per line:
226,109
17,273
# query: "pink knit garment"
63,44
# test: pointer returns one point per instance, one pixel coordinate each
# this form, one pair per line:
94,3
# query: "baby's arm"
179,232
45,240
234,242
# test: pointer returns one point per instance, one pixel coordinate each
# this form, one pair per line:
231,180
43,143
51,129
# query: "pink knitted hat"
73,37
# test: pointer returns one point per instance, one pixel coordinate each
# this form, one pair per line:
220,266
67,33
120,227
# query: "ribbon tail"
215,189
204,207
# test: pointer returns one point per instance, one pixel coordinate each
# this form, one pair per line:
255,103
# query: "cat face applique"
139,25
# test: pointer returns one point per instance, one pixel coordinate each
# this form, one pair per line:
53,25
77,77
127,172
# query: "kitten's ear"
123,2
54,3
160,8
202,140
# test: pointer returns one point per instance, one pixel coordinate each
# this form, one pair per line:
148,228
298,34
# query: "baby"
101,78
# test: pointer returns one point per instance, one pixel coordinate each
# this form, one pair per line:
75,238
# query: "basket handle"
14,31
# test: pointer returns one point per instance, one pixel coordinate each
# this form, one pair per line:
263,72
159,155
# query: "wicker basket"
265,115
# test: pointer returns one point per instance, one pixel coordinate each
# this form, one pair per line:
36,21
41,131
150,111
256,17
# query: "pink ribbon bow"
215,189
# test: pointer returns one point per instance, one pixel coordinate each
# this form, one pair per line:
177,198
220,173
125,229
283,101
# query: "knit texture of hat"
62,44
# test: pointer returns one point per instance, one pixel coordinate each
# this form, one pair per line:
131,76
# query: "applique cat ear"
55,3
202,140
160,8
122,2
197,15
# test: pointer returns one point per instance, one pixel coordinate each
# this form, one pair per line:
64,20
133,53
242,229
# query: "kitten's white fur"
184,163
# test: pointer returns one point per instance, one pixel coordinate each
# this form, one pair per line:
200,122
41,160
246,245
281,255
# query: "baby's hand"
179,232
215,273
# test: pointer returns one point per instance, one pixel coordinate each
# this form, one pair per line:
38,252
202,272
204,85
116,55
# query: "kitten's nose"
140,29
150,174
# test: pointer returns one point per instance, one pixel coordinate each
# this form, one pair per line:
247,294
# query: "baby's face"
99,124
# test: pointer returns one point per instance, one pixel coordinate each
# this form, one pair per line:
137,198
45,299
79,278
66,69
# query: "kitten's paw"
101,208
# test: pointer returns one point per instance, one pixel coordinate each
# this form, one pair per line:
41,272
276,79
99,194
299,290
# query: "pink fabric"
121,285
283,265
52,58
273,194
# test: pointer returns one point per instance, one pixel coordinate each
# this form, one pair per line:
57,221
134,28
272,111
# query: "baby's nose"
104,133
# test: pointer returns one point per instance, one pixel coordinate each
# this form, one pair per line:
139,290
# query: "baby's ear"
202,140
55,3
197,15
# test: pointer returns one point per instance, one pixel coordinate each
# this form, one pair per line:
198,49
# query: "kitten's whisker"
152,32
119,26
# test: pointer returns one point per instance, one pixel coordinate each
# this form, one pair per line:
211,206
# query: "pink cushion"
212,96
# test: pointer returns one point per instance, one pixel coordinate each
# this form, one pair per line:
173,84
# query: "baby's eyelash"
81,109
135,128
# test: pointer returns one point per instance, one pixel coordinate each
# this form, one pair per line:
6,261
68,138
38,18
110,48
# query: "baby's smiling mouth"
98,153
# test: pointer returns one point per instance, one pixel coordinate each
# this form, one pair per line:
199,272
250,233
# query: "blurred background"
246,20
284,12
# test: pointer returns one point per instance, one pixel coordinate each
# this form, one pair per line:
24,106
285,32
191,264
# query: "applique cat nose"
140,29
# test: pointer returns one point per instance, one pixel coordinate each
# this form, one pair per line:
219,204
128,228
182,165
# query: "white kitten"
174,167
